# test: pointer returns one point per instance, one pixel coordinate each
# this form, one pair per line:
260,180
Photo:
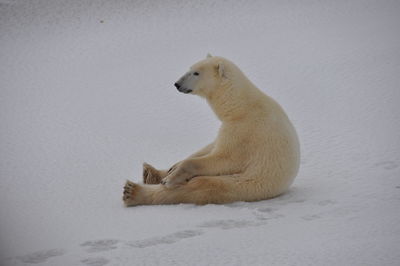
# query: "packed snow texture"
87,96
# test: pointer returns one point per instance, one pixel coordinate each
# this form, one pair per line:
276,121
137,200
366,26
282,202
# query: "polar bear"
254,157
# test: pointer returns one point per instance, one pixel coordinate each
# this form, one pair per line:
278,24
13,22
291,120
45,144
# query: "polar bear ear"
209,55
221,70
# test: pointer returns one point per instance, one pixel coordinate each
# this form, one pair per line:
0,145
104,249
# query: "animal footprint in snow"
387,165
100,245
95,261
326,202
168,239
228,224
311,217
41,256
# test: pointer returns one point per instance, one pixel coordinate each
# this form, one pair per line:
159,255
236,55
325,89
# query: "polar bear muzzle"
181,89
187,83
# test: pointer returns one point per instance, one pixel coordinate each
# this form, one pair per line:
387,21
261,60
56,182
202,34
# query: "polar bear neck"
235,97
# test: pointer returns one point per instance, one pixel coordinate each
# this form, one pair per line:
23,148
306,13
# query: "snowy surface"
86,96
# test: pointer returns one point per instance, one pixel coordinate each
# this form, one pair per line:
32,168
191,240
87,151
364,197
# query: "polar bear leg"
204,151
199,190
208,165
153,176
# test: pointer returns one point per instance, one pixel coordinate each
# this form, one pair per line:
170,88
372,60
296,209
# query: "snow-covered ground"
86,96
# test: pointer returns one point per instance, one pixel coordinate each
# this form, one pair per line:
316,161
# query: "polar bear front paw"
170,182
173,180
179,174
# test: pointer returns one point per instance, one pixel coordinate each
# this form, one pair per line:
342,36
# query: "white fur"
255,155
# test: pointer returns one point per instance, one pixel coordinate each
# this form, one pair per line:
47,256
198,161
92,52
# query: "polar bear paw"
130,193
178,175
151,175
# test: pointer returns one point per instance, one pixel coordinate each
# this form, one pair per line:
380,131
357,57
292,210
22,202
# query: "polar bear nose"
177,85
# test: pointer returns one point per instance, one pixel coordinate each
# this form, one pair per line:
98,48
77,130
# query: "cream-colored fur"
255,155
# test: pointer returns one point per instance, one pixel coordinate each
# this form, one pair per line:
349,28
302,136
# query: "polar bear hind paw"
130,192
150,174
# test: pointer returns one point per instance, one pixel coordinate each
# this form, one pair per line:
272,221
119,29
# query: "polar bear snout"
184,90
181,89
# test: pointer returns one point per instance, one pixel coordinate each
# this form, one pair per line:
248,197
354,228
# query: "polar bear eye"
196,73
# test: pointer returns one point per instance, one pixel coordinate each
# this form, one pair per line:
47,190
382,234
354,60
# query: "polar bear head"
226,88
204,77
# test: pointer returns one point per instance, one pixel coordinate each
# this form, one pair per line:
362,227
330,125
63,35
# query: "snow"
87,95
